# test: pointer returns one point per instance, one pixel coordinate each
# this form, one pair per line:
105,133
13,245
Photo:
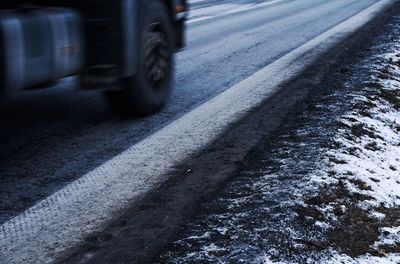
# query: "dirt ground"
326,188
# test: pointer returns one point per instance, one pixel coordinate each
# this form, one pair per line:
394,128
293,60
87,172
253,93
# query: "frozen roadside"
362,167
326,189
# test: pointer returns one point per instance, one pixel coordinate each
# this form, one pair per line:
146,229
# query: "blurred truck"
123,48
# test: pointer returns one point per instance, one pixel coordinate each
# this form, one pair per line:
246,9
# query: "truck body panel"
39,46
96,38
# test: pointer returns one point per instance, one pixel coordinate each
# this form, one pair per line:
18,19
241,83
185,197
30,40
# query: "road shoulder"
158,218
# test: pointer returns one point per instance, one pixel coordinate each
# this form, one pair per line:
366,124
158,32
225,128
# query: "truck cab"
123,48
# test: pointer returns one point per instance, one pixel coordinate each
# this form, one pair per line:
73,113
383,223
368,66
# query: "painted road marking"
221,10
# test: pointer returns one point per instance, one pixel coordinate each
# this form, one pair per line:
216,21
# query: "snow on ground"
375,140
389,236
344,259
367,157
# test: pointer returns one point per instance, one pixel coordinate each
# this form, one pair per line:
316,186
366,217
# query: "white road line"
197,19
195,1
64,219
238,8
252,6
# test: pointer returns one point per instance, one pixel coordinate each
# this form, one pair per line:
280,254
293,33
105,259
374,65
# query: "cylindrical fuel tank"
38,45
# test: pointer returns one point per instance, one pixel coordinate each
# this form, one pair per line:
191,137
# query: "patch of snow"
389,236
267,260
368,259
377,215
205,235
376,162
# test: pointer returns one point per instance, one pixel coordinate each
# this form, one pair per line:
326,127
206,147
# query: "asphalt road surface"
51,137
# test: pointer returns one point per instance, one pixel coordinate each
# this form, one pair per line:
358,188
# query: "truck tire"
148,90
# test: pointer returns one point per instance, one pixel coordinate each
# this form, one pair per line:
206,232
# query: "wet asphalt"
52,137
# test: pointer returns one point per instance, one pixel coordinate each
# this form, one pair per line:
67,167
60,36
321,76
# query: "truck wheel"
148,91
